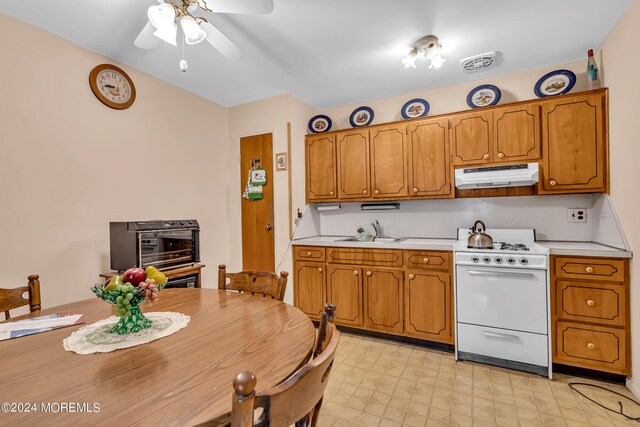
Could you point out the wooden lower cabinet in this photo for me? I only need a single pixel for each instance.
(428, 300)
(383, 300)
(309, 288)
(344, 290)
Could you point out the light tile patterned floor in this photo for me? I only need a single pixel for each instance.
(377, 382)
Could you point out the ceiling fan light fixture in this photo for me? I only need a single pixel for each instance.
(437, 61)
(429, 47)
(193, 34)
(409, 61)
(163, 18)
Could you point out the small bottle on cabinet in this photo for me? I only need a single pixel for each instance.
(593, 75)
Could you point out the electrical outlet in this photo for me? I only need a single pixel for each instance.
(577, 215)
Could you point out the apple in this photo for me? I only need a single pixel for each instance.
(134, 276)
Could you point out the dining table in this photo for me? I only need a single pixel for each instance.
(182, 379)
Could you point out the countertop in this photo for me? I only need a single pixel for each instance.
(555, 247)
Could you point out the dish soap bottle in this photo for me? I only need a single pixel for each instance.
(593, 75)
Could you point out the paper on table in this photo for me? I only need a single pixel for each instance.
(55, 322)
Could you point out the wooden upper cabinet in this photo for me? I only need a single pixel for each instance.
(471, 141)
(321, 168)
(429, 162)
(574, 140)
(353, 164)
(516, 133)
(388, 161)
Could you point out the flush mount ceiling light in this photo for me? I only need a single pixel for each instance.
(427, 46)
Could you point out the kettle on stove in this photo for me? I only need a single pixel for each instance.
(478, 239)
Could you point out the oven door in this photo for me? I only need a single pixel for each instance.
(507, 298)
(164, 249)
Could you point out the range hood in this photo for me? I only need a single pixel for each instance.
(497, 176)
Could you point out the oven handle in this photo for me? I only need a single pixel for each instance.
(499, 273)
(501, 336)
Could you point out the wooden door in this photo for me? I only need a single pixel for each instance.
(429, 161)
(517, 133)
(383, 299)
(309, 293)
(258, 250)
(471, 138)
(574, 141)
(353, 164)
(428, 305)
(320, 155)
(388, 161)
(344, 290)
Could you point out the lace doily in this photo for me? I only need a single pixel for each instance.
(96, 338)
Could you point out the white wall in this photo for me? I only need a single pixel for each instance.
(70, 164)
(620, 63)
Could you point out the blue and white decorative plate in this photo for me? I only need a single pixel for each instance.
(361, 116)
(483, 96)
(415, 108)
(556, 82)
(319, 124)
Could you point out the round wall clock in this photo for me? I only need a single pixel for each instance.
(112, 86)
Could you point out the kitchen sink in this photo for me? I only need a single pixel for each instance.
(374, 241)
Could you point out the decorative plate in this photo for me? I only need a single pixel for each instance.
(361, 116)
(556, 82)
(483, 96)
(319, 124)
(415, 108)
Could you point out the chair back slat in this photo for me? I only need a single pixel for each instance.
(14, 298)
(254, 282)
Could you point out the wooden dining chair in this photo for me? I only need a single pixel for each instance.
(255, 282)
(13, 298)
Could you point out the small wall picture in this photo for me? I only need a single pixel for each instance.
(281, 161)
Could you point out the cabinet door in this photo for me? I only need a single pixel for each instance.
(429, 160)
(428, 305)
(321, 168)
(517, 133)
(388, 161)
(575, 145)
(353, 164)
(309, 289)
(471, 138)
(383, 299)
(344, 290)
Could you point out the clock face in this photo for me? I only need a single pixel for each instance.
(112, 86)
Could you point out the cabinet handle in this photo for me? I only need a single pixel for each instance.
(331, 193)
(377, 191)
(591, 346)
(553, 182)
(591, 302)
(501, 155)
(411, 276)
(486, 156)
(425, 260)
(308, 253)
(589, 269)
(320, 269)
(355, 272)
(368, 273)
(415, 189)
(364, 191)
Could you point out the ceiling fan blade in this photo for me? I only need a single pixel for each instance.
(252, 7)
(221, 42)
(146, 39)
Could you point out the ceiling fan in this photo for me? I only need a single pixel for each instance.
(165, 17)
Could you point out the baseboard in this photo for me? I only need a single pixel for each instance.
(633, 388)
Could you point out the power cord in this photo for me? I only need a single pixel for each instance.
(620, 410)
(287, 250)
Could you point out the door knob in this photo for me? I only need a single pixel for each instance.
(319, 269)
(552, 182)
(355, 272)
(486, 156)
(377, 191)
(331, 193)
(501, 155)
(415, 189)
(411, 276)
(368, 273)
(268, 227)
(364, 191)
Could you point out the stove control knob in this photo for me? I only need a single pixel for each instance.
(486, 260)
(498, 260)
(475, 259)
(511, 260)
(524, 261)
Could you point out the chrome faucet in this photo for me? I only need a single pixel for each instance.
(378, 229)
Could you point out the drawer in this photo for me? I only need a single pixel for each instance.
(434, 260)
(590, 269)
(381, 257)
(308, 253)
(589, 302)
(591, 347)
(504, 344)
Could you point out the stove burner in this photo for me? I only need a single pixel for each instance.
(504, 246)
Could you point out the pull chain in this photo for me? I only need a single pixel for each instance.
(183, 61)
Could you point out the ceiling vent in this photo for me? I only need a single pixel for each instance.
(479, 62)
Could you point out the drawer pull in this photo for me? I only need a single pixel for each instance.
(486, 156)
(425, 260)
(355, 272)
(308, 253)
(589, 269)
(320, 269)
(368, 273)
(591, 302)
(591, 346)
(415, 189)
(505, 337)
(411, 276)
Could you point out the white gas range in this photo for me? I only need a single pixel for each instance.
(502, 302)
